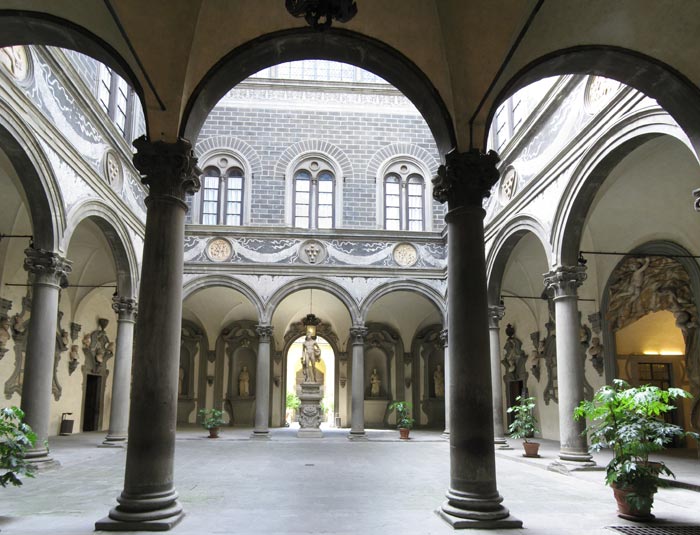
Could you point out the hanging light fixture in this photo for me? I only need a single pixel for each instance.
(311, 321)
(319, 14)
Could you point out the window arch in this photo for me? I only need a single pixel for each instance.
(221, 200)
(313, 194)
(403, 205)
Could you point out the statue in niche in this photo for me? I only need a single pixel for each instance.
(311, 354)
(375, 383)
(244, 383)
(439, 381)
(514, 358)
(595, 351)
(180, 380)
(73, 359)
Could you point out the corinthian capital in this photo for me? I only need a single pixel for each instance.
(565, 280)
(264, 332)
(357, 334)
(167, 168)
(125, 307)
(47, 267)
(496, 314)
(444, 337)
(466, 178)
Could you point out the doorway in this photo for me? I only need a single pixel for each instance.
(515, 389)
(91, 407)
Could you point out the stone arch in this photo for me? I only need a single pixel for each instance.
(592, 170)
(39, 186)
(207, 281)
(108, 221)
(333, 44)
(415, 286)
(22, 27)
(314, 283)
(502, 247)
(232, 144)
(672, 90)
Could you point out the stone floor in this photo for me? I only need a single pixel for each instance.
(330, 485)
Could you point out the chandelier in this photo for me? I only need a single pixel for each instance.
(319, 14)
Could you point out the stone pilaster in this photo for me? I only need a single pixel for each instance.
(473, 500)
(149, 500)
(262, 382)
(563, 282)
(49, 273)
(446, 351)
(357, 416)
(496, 314)
(125, 309)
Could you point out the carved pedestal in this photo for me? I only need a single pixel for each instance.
(310, 411)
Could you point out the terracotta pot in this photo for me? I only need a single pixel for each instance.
(531, 449)
(214, 432)
(627, 511)
(403, 433)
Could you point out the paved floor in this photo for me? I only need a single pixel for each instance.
(330, 485)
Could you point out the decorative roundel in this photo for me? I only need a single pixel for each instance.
(312, 252)
(405, 254)
(16, 61)
(219, 250)
(599, 91)
(509, 185)
(113, 169)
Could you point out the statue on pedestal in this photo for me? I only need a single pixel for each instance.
(375, 383)
(311, 354)
(244, 383)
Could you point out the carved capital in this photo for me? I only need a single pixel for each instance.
(565, 280)
(125, 307)
(496, 314)
(168, 169)
(357, 335)
(466, 178)
(264, 333)
(47, 267)
(443, 338)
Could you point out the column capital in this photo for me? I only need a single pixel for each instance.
(496, 313)
(466, 178)
(564, 280)
(47, 267)
(125, 307)
(264, 332)
(168, 169)
(444, 338)
(357, 334)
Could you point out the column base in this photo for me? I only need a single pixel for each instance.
(498, 518)
(113, 441)
(501, 443)
(566, 467)
(357, 435)
(261, 435)
(445, 435)
(40, 459)
(146, 512)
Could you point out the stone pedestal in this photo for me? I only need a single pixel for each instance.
(310, 411)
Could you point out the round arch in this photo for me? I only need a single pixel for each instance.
(333, 44)
(503, 246)
(208, 281)
(38, 182)
(313, 283)
(672, 90)
(415, 286)
(108, 221)
(19, 27)
(600, 159)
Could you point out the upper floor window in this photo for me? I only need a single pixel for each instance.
(313, 195)
(115, 96)
(222, 196)
(509, 117)
(404, 198)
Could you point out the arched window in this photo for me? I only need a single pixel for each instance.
(221, 198)
(313, 202)
(404, 194)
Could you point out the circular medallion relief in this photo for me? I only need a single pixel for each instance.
(405, 254)
(15, 60)
(312, 252)
(219, 250)
(509, 184)
(599, 91)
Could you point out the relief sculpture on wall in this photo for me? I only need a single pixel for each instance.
(19, 326)
(514, 358)
(97, 349)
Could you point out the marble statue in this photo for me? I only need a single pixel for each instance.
(311, 354)
(439, 381)
(180, 380)
(375, 383)
(244, 383)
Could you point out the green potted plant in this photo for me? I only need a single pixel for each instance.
(524, 424)
(404, 422)
(629, 421)
(212, 419)
(292, 403)
(16, 438)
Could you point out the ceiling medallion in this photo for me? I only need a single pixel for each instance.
(315, 10)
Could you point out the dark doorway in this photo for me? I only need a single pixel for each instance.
(515, 389)
(91, 408)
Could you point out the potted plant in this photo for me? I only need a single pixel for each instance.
(212, 419)
(293, 403)
(404, 422)
(524, 424)
(16, 438)
(629, 421)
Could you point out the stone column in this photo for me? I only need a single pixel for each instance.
(121, 384)
(563, 282)
(49, 271)
(473, 500)
(357, 416)
(262, 383)
(149, 500)
(496, 314)
(446, 369)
